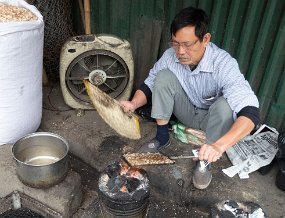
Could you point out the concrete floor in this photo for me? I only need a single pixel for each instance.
(94, 145)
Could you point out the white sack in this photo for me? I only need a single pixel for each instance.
(21, 57)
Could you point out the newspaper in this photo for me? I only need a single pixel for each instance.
(252, 152)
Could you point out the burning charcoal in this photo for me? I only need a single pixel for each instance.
(142, 172)
(124, 168)
(132, 184)
(136, 172)
(113, 170)
(118, 184)
(123, 179)
(111, 184)
(124, 190)
(123, 196)
(115, 184)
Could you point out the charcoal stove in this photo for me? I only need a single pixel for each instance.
(123, 191)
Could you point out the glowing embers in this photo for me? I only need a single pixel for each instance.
(124, 190)
(120, 181)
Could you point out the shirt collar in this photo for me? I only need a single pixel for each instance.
(206, 64)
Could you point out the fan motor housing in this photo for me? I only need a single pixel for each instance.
(105, 60)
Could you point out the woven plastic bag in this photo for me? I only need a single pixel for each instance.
(21, 57)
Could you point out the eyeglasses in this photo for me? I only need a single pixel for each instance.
(186, 45)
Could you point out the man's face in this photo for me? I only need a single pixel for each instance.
(188, 48)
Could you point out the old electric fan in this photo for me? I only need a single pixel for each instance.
(105, 60)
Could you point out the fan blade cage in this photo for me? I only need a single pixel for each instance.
(109, 69)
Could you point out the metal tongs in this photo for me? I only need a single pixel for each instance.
(195, 155)
(203, 163)
(182, 157)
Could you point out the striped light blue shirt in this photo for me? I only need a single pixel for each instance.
(217, 74)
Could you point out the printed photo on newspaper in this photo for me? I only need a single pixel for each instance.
(252, 152)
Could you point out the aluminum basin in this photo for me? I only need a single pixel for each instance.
(42, 159)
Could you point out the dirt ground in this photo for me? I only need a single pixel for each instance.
(94, 145)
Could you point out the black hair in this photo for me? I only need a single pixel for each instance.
(191, 17)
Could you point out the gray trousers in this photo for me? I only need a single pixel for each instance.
(168, 97)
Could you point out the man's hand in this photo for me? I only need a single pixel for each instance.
(138, 100)
(211, 153)
(128, 106)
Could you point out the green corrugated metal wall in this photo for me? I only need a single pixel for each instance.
(253, 31)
